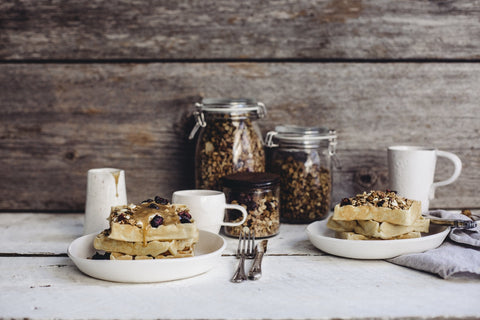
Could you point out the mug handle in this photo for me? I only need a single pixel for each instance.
(235, 207)
(458, 168)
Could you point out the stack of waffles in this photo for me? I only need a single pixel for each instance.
(378, 215)
(153, 229)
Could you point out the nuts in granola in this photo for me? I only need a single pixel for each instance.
(149, 212)
(227, 145)
(306, 186)
(303, 158)
(387, 199)
(259, 194)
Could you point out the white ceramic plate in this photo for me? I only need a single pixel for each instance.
(324, 239)
(207, 253)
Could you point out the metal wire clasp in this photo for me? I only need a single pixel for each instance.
(269, 139)
(332, 149)
(199, 122)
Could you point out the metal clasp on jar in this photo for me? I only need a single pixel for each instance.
(199, 122)
(332, 149)
(269, 139)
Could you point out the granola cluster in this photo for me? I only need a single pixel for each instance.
(123, 214)
(306, 188)
(263, 213)
(387, 199)
(153, 212)
(227, 146)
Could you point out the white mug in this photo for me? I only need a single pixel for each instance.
(105, 189)
(412, 169)
(207, 207)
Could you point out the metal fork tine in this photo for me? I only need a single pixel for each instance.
(244, 244)
(240, 275)
(239, 245)
(251, 245)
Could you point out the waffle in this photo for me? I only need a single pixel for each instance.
(375, 229)
(356, 236)
(378, 215)
(379, 206)
(153, 229)
(152, 248)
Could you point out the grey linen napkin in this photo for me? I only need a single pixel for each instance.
(459, 255)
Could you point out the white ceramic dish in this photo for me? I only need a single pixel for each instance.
(324, 239)
(207, 253)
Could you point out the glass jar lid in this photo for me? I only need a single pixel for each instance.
(236, 108)
(246, 180)
(298, 136)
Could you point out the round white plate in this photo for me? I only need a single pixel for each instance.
(324, 239)
(207, 253)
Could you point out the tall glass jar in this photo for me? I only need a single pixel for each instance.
(302, 156)
(229, 140)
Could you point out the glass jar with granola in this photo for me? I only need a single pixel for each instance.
(259, 194)
(229, 140)
(302, 156)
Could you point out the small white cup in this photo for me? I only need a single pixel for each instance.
(412, 169)
(207, 207)
(105, 189)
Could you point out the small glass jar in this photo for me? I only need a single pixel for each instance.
(259, 194)
(302, 156)
(229, 141)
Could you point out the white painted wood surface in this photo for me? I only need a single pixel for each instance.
(38, 281)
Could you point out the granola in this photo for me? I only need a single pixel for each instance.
(227, 145)
(263, 213)
(305, 187)
(387, 199)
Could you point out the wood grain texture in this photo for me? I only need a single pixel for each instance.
(50, 287)
(227, 29)
(45, 239)
(59, 120)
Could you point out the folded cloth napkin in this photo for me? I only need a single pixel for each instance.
(459, 255)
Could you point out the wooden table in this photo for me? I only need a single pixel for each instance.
(39, 281)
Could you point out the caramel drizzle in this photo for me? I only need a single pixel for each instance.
(116, 176)
(144, 214)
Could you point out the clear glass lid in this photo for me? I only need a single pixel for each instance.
(236, 108)
(293, 135)
(232, 105)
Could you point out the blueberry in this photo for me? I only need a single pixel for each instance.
(184, 217)
(121, 218)
(185, 214)
(161, 200)
(99, 256)
(156, 221)
(153, 206)
(345, 202)
(146, 201)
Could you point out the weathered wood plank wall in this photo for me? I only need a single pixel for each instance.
(90, 84)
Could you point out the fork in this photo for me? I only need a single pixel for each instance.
(245, 250)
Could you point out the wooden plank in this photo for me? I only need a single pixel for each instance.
(303, 287)
(17, 238)
(228, 29)
(40, 287)
(59, 120)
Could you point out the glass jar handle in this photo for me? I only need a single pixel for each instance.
(269, 139)
(262, 111)
(199, 122)
(332, 149)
